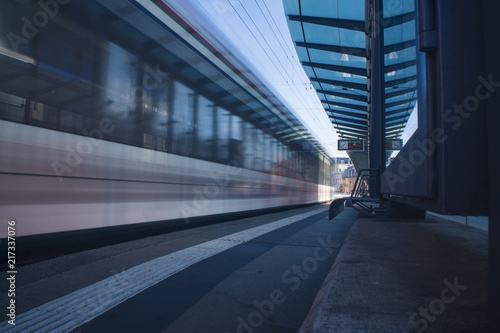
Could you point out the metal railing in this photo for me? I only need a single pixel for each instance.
(365, 196)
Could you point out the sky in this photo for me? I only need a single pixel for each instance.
(258, 31)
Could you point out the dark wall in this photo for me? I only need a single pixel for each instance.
(443, 167)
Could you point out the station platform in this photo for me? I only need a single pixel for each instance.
(405, 276)
(284, 272)
(257, 274)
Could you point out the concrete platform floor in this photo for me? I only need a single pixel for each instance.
(257, 274)
(405, 276)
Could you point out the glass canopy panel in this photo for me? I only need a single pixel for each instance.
(309, 71)
(339, 76)
(351, 9)
(399, 115)
(345, 9)
(353, 112)
(316, 85)
(401, 98)
(296, 31)
(399, 79)
(353, 38)
(346, 114)
(291, 8)
(398, 7)
(349, 113)
(398, 74)
(302, 53)
(360, 124)
(337, 59)
(328, 88)
(330, 98)
(400, 109)
(334, 36)
(400, 112)
(397, 121)
(349, 118)
(399, 33)
(325, 8)
(395, 57)
(394, 86)
(320, 34)
(356, 94)
(327, 35)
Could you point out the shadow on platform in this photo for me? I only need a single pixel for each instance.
(405, 276)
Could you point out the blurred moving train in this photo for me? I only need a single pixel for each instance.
(118, 113)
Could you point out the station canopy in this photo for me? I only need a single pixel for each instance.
(332, 39)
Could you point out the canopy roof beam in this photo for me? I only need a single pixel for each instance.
(400, 66)
(346, 105)
(399, 92)
(350, 114)
(330, 22)
(335, 68)
(352, 85)
(359, 98)
(355, 51)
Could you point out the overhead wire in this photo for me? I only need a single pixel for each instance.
(252, 33)
(305, 80)
(314, 103)
(282, 41)
(265, 39)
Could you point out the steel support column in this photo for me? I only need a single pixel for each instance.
(377, 89)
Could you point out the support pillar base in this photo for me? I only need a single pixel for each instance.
(402, 211)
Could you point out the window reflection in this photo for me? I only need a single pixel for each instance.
(144, 101)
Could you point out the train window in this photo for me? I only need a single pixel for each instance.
(155, 99)
(183, 117)
(123, 94)
(295, 164)
(274, 156)
(75, 48)
(70, 122)
(235, 140)
(149, 141)
(267, 153)
(12, 107)
(247, 149)
(260, 149)
(161, 144)
(205, 127)
(291, 164)
(236, 128)
(285, 160)
(120, 78)
(223, 133)
(42, 115)
(279, 158)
